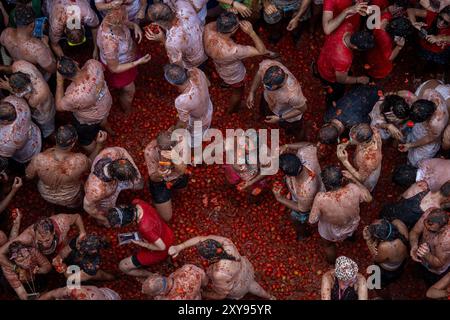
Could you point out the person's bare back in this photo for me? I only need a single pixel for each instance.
(367, 160)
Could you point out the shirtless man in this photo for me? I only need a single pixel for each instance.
(184, 284)
(21, 44)
(48, 235)
(62, 18)
(81, 293)
(231, 274)
(337, 210)
(302, 176)
(113, 170)
(430, 115)
(183, 33)
(367, 157)
(430, 244)
(228, 55)
(60, 170)
(282, 95)
(440, 289)
(20, 138)
(27, 82)
(135, 8)
(194, 103)
(87, 96)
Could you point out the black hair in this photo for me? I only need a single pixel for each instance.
(175, 74)
(328, 134)
(363, 132)
(274, 76)
(397, 105)
(422, 110)
(404, 175)
(386, 231)
(65, 136)
(438, 216)
(67, 67)
(400, 27)
(212, 250)
(164, 140)
(445, 189)
(7, 111)
(75, 36)
(400, 3)
(44, 224)
(122, 170)
(160, 12)
(92, 242)
(363, 40)
(121, 216)
(19, 80)
(3, 164)
(226, 22)
(332, 177)
(24, 15)
(290, 164)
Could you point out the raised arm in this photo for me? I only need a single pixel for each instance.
(7, 200)
(330, 23)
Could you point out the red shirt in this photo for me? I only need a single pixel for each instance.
(337, 6)
(151, 226)
(335, 56)
(383, 4)
(430, 19)
(378, 57)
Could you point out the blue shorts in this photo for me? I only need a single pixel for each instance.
(301, 217)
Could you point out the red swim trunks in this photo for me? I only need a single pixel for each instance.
(120, 80)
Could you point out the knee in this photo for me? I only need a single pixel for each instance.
(129, 89)
(125, 265)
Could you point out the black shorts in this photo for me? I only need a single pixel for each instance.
(87, 133)
(387, 277)
(159, 191)
(135, 261)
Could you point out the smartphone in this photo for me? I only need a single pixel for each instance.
(128, 237)
(39, 27)
(423, 32)
(33, 296)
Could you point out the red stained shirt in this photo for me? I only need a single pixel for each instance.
(152, 227)
(335, 56)
(430, 19)
(383, 4)
(337, 6)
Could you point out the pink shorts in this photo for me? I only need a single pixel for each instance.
(234, 179)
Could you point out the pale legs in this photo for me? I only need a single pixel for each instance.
(127, 266)
(127, 96)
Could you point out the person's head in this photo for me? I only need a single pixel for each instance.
(20, 254)
(91, 245)
(400, 27)
(332, 177)
(422, 110)
(395, 108)
(362, 40)
(227, 23)
(154, 285)
(328, 134)
(20, 83)
(116, 17)
(164, 141)
(436, 220)
(121, 216)
(404, 175)
(290, 164)
(443, 19)
(66, 137)
(346, 270)
(274, 78)
(122, 170)
(175, 74)
(67, 67)
(45, 234)
(383, 230)
(360, 133)
(75, 36)
(213, 251)
(161, 14)
(24, 16)
(445, 189)
(400, 3)
(7, 113)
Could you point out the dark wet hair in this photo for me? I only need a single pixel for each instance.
(332, 177)
(397, 105)
(67, 67)
(445, 189)
(15, 247)
(386, 231)
(328, 134)
(65, 136)
(44, 224)
(363, 40)
(445, 10)
(404, 175)
(212, 250)
(19, 80)
(3, 164)
(422, 110)
(274, 76)
(121, 216)
(75, 36)
(122, 170)
(175, 74)
(226, 22)
(7, 111)
(400, 3)
(164, 140)
(290, 164)
(24, 15)
(363, 132)
(400, 27)
(438, 216)
(160, 12)
(92, 242)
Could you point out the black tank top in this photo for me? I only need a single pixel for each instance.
(348, 294)
(406, 210)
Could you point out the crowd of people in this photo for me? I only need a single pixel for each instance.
(41, 80)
